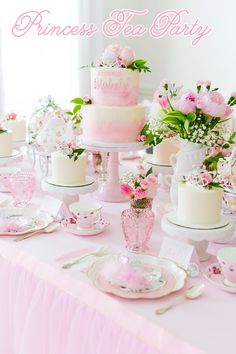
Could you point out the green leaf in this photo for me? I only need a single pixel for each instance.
(186, 125)
(70, 113)
(78, 100)
(171, 120)
(191, 117)
(76, 109)
(149, 172)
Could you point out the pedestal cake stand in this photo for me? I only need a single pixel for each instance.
(7, 160)
(68, 194)
(199, 238)
(110, 189)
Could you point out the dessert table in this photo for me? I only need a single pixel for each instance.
(49, 310)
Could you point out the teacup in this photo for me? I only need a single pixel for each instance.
(86, 213)
(227, 260)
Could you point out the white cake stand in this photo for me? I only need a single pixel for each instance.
(16, 156)
(198, 238)
(110, 189)
(67, 194)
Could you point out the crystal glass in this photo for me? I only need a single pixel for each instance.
(230, 202)
(22, 186)
(137, 225)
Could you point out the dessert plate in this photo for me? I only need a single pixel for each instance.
(172, 277)
(20, 221)
(89, 180)
(99, 227)
(213, 274)
(15, 153)
(172, 217)
(149, 159)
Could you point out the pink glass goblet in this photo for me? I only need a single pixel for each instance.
(22, 186)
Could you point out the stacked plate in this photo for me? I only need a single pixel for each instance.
(20, 221)
(163, 277)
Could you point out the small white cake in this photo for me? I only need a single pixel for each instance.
(6, 143)
(18, 128)
(163, 151)
(198, 205)
(66, 171)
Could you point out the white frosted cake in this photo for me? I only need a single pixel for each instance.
(198, 205)
(6, 143)
(114, 115)
(66, 171)
(16, 125)
(163, 151)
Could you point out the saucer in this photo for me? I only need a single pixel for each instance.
(151, 161)
(172, 217)
(98, 228)
(213, 274)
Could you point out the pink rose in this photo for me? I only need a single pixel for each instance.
(11, 116)
(163, 101)
(226, 152)
(139, 193)
(142, 138)
(200, 83)
(206, 177)
(188, 102)
(114, 48)
(86, 98)
(144, 184)
(127, 190)
(127, 55)
(151, 180)
(213, 104)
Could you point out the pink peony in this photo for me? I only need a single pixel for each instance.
(109, 58)
(11, 116)
(151, 180)
(213, 104)
(127, 55)
(151, 192)
(163, 101)
(139, 193)
(127, 190)
(188, 102)
(114, 48)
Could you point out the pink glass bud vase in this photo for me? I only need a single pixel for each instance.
(137, 224)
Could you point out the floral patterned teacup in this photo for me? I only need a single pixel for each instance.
(227, 259)
(86, 214)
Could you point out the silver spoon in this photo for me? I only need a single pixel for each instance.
(98, 253)
(191, 293)
(50, 228)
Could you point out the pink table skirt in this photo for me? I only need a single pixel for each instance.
(43, 312)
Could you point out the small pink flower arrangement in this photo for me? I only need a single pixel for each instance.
(140, 188)
(70, 149)
(193, 115)
(11, 116)
(116, 56)
(203, 178)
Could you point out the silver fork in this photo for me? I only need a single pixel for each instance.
(99, 253)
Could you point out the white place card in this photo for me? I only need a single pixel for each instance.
(51, 205)
(179, 252)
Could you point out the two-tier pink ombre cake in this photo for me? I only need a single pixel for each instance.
(114, 116)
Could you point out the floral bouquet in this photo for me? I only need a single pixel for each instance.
(196, 116)
(118, 57)
(140, 188)
(71, 150)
